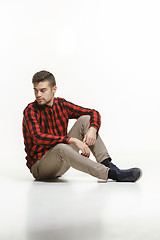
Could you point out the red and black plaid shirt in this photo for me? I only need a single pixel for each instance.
(45, 126)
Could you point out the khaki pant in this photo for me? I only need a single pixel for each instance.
(63, 156)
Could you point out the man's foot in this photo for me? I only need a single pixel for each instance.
(127, 175)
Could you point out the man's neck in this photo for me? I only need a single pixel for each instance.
(50, 104)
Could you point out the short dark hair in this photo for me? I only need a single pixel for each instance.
(44, 76)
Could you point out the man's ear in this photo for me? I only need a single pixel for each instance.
(54, 89)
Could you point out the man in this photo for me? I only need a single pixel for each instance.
(51, 151)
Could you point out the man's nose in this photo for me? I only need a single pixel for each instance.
(38, 94)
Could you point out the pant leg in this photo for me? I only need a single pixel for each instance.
(50, 166)
(79, 129)
(52, 163)
(59, 158)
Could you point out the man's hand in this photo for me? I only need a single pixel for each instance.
(81, 146)
(90, 137)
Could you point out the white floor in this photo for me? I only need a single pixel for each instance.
(78, 207)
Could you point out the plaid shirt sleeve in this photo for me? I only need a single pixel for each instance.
(75, 111)
(31, 121)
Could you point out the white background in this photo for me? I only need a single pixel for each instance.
(104, 55)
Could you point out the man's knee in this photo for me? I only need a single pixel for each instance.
(85, 119)
(62, 148)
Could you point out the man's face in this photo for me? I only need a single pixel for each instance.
(44, 93)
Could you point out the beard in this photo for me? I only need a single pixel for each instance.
(43, 101)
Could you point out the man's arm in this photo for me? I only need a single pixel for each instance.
(75, 111)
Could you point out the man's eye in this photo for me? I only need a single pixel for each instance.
(43, 90)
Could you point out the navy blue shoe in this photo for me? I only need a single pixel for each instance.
(127, 175)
